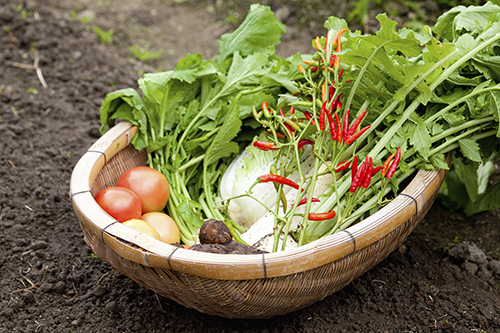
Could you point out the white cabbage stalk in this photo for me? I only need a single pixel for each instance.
(243, 172)
(247, 212)
(261, 232)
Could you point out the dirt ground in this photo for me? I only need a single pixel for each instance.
(55, 72)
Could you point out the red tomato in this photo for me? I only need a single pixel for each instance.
(119, 202)
(150, 185)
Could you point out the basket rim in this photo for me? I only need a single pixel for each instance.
(145, 250)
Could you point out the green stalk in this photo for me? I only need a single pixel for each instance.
(408, 112)
(362, 73)
(395, 127)
(188, 237)
(191, 162)
(457, 102)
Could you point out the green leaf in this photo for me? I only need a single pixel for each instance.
(455, 118)
(468, 175)
(243, 72)
(335, 24)
(489, 199)
(466, 20)
(247, 102)
(222, 146)
(187, 68)
(419, 136)
(439, 161)
(470, 149)
(259, 30)
(189, 211)
(277, 79)
(453, 193)
(123, 101)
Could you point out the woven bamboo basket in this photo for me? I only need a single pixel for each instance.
(234, 285)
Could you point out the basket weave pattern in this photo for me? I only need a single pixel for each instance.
(238, 286)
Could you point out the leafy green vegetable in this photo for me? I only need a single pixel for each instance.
(426, 96)
(191, 118)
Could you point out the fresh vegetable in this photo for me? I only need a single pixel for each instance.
(415, 96)
(142, 226)
(277, 179)
(119, 202)
(322, 216)
(215, 237)
(149, 185)
(164, 225)
(191, 118)
(214, 232)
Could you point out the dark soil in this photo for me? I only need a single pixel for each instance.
(50, 281)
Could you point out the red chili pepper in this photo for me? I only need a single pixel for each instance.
(339, 104)
(333, 129)
(342, 166)
(265, 109)
(354, 168)
(301, 69)
(356, 123)
(376, 170)
(345, 128)
(368, 176)
(322, 116)
(304, 142)
(289, 128)
(309, 116)
(338, 37)
(313, 69)
(356, 135)
(282, 113)
(263, 145)
(358, 177)
(326, 42)
(336, 63)
(322, 216)
(333, 60)
(386, 164)
(335, 102)
(394, 164)
(303, 201)
(331, 92)
(309, 62)
(339, 128)
(317, 44)
(292, 110)
(341, 72)
(277, 179)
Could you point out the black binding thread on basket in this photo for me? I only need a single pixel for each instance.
(106, 227)
(264, 265)
(80, 192)
(170, 257)
(99, 152)
(414, 200)
(353, 239)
